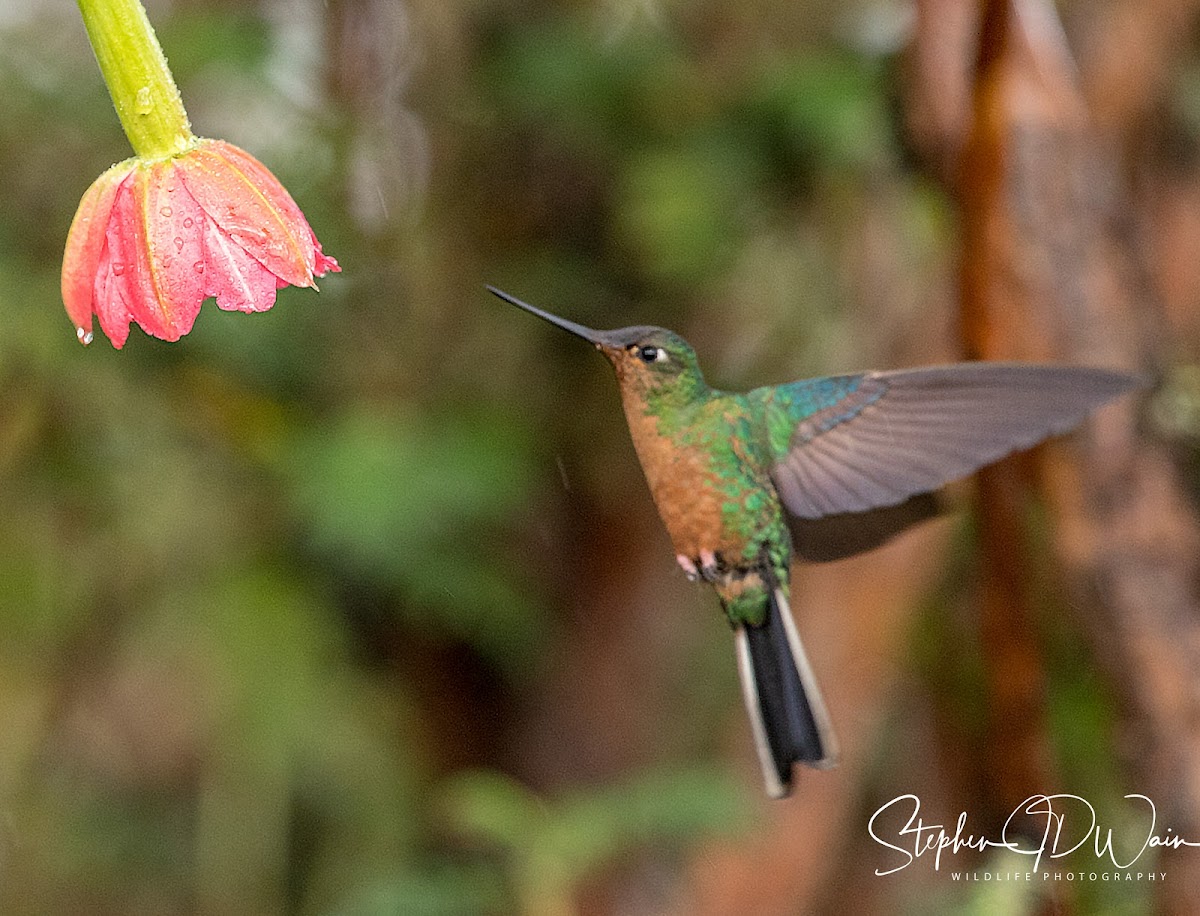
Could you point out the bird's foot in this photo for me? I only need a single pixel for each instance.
(710, 566)
(688, 567)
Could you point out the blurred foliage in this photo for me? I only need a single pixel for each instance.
(549, 851)
(291, 608)
(389, 498)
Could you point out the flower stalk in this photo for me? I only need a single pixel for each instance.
(135, 70)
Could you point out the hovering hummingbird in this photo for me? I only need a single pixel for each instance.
(726, 470)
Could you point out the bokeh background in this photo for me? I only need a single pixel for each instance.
(360, 606)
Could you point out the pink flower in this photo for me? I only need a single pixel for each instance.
(152, 239)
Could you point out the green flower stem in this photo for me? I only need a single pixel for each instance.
(141, 86)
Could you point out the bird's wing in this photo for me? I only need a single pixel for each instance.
(856, 442)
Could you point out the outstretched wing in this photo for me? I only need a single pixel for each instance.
(858, 442)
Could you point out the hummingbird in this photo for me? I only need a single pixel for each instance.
(733, 474)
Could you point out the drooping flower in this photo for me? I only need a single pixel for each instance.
(153, 239)
(185, 219)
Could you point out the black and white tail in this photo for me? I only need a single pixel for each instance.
(786, 711)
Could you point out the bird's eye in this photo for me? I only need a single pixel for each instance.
(648, 354)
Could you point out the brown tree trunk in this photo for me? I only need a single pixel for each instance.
(1048, 274)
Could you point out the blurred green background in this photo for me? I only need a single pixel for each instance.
(360, 605)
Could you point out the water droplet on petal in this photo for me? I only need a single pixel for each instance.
(85, 336)
(166, 211)
(198, 267)
(187, 222)
(118, 268)
(178, 243)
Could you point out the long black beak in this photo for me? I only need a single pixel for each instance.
(598, 338)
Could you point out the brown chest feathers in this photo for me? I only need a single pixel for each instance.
(681, 483)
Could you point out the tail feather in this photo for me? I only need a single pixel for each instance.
(787, 714)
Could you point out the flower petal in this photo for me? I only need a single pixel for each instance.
(317, 262)
(85, 245)
(323, 263)
(135, 275)
(238, 281)
(109, 302)
(174, 245)
(251, 207)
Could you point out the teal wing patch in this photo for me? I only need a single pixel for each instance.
(797, 412)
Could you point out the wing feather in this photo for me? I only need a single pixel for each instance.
(888, 436)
